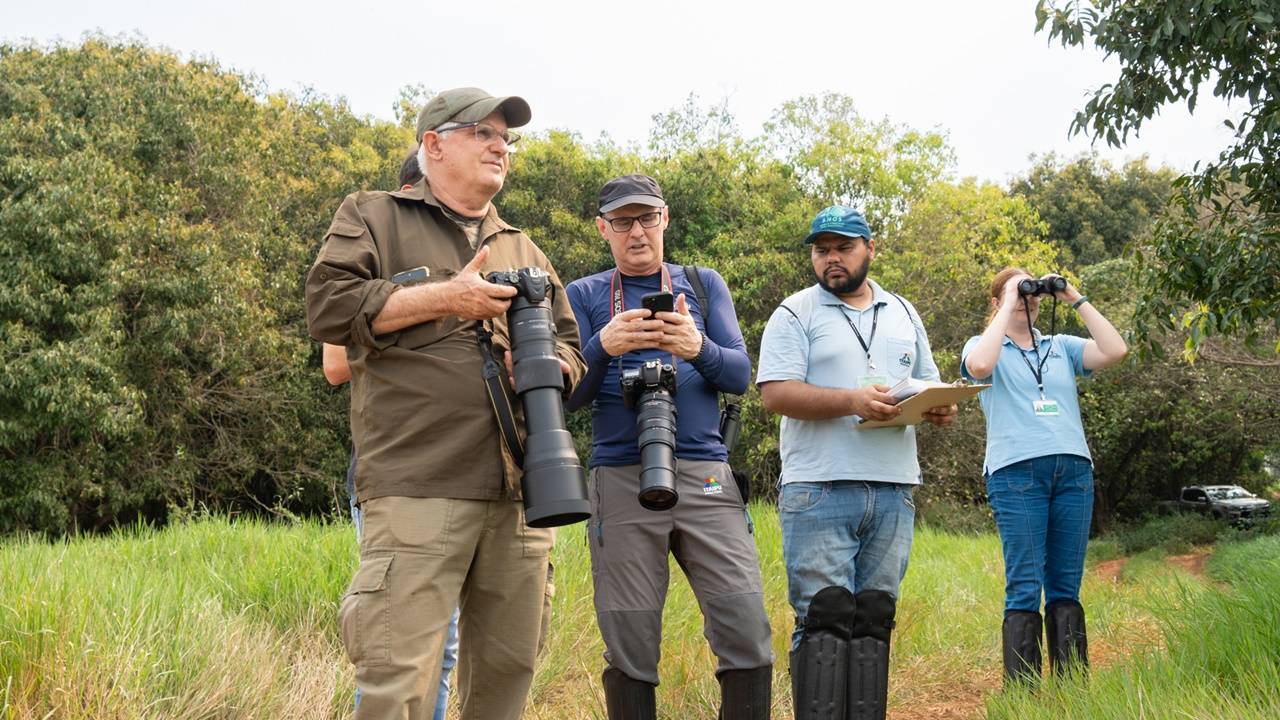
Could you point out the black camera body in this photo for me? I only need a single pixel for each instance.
(650, 389)
(554, 484)
(1042, 286)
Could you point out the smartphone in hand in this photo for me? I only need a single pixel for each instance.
(656, 302)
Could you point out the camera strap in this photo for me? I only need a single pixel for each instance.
(617, 305)
(498, 398)
(615, 290)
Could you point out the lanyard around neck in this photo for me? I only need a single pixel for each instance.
(1037, 370)
(866, 344)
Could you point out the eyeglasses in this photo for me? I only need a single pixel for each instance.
(486, 134)
(624, 224)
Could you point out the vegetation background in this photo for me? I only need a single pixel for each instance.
(157, 217)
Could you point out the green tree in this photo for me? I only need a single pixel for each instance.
(156, 217)
(1211, 269)
(1095, 211)
(841, 157)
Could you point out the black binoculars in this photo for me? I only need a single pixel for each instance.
(1043, 286)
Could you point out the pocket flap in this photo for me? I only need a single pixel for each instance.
(372, 575)
(345, 229)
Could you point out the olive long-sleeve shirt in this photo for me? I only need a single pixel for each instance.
(421, 419)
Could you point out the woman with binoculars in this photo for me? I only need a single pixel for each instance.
(1038, 469)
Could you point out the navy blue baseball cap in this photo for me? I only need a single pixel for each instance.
(840, 220)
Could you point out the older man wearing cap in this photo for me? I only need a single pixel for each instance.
(398, 281)
(828, 358)
(706, 530)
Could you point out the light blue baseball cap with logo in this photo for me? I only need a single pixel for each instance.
(840, 220)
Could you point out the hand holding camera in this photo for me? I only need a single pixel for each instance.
(471, 297)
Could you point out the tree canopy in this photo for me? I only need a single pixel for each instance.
(158, 216)
(1211, 268)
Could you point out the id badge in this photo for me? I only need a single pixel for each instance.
(1045, 408)
(866, 380)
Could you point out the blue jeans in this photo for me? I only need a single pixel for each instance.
(848, 533)
(1043, 507)
(451, 642)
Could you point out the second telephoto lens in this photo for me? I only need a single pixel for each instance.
(650, 389)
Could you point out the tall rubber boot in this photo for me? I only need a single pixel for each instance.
(746, 694)
(628, 699)
(869, 655)
(1021, 640)
(1068, 642)
(820, 663)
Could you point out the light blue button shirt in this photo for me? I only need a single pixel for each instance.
(809, 338)
(1014, 431)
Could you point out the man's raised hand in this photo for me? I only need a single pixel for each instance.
(471, 297)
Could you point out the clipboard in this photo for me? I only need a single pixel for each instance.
(913, 408)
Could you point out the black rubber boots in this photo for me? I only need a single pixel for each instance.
(746, 694)
(1068, 643)
(1020, 638)
(628, 699)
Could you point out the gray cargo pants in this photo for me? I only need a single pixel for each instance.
(707, 533)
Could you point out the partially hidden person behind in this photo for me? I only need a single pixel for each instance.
(1038, 469)
(829, 355)
(399, 282)
(678, 355)
(338, 372)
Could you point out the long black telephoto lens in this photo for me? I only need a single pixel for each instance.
(650, 389)
(554, 484)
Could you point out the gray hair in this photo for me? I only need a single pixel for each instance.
(422, 159)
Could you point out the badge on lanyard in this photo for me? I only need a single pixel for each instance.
(866, 380)
(1045, 408)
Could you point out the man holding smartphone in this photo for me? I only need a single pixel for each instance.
(643, 310)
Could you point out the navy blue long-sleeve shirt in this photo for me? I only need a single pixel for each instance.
(723, 367)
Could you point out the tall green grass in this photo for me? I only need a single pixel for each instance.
(1222, 658)
(236, 619)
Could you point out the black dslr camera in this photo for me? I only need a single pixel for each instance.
(650, 389)
(554, 485)
(1043, 286)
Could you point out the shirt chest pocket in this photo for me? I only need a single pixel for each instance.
(900, 357)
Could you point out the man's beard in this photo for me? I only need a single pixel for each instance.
(852, 281)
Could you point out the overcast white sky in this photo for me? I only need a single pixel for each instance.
(974, 70)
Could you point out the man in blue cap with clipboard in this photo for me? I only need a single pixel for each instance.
(828, 358)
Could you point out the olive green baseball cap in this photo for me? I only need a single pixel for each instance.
(465, 105)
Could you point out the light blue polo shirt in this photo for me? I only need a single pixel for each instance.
(1014, 431)
(809, 338)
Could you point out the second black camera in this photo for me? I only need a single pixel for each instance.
(650, 389)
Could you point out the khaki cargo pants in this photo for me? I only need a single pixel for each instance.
(421, 557)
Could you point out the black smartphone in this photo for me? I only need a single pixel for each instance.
(409, 277)
(656, 302)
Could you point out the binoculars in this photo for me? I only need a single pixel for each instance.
(1043, 286)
